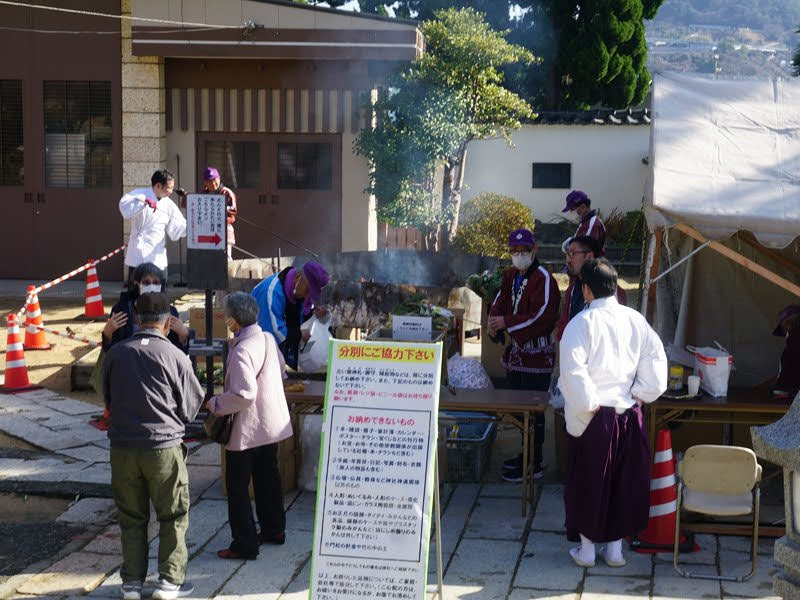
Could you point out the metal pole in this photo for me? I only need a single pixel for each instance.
(181, 281)
(209, 343)
(438, 515)
(279, 259)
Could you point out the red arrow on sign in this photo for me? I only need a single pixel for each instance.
(209, 239)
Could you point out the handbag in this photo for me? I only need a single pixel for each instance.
(219, 427)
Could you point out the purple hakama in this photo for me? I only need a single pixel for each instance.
(607, 490)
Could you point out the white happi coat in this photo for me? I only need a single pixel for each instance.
(149, 227)
(609, 356)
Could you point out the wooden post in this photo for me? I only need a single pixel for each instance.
(658, 236)
(738, 258)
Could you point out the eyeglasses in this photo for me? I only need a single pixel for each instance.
(572, 253)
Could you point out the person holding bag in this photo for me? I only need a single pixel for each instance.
(253, 393)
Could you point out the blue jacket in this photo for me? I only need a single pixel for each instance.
(272, 307)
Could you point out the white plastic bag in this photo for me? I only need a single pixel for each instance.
(713, 366)
(311, 434)
(466, 373)
(314, 357)
(556, 397)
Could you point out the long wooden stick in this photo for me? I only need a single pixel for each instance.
(769, 252)
(738, 258)
(654, 267)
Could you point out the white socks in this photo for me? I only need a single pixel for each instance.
(586, 552)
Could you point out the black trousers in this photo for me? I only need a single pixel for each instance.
(532, 381)
(260, 464)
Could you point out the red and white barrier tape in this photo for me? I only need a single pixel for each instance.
(69, 334)
(72, 273)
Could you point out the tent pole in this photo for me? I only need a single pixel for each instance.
(650, 307)
(738, 258)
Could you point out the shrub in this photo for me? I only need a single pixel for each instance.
(625, 228)
(485, 222)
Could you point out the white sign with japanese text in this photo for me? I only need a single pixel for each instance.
(376, 475)
(205, 222)
(409, 328)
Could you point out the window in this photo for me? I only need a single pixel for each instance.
(552, 175)
(238, 163)
(11, 151)
(305, 166)
(77, 134)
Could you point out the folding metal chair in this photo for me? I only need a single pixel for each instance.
(721, 481)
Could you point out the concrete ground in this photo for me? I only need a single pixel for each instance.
(489, 550)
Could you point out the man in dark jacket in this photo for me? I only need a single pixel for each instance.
(152, 392)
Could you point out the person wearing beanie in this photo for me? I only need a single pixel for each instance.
(526, 308)
(213, 185)
(286, 300)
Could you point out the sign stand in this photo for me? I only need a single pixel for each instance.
(437, 513)
(207, 265)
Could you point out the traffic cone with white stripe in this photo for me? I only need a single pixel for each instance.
(660, 533)
(34, 336)
(16, 376)
(94, 299)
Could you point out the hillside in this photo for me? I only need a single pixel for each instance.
(733, 38)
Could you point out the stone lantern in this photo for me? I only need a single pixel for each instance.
(779, 443)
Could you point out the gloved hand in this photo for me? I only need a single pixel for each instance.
(151, 203)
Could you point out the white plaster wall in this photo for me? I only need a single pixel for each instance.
(606, 164)
(359, 221)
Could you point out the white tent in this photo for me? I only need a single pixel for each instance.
(724, 183)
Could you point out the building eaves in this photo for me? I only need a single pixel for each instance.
(328, 9)
(629, 116)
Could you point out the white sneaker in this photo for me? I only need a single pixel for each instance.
(132, 590)
(167, 591)
(612, 561)
(575, 553)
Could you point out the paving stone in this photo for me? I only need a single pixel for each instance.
(738, 563)
(69, 406)
(90, 453)
(206, 518)
(37, 394)
(18, 426)
(743, 544)
(707, 555)
(546, 565)
(213, 492)
(200, 479)
(13, 403)
(77, 573)
(222, 539)
(298, 588)
(481, 569)
(526, 594)
(87, 433)
(638, 565)
(104, 443)
(455, 515)
(301, 513)
(502, 490)
(496, 518)
(273, 571)
(549, 514)
(44, 469)
(53, 419)
(610, 588)
(88, 510)
(107, 541)
(208, 574)
(668, 585)
(96, 473)
(207, 454)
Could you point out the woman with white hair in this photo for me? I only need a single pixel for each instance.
(253, 392)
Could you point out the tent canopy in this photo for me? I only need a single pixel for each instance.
(725, 157)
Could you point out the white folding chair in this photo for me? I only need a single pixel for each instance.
(721, 481)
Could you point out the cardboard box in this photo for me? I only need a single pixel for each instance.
(287, 465)
(197, 321)
(347, 333)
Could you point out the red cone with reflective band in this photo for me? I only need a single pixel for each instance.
(660, 533)
(16, 376)
(94, 299)
(34, 337)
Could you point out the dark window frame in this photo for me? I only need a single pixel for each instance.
(551, 175)
(79, 108)
(314, 174)
(12, 133)
(249, 180)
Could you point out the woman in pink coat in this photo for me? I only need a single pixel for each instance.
(254, 394)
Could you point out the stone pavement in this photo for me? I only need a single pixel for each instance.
(489, 550)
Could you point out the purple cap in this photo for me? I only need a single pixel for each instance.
(210, 173)
(521, 237)
(574, 199)
(317, 278)
(787, 312)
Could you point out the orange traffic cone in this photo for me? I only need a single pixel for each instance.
(660, 533)
(34, 337)
(16, 372)
(94, 299)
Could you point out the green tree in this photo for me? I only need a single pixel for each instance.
(486, 222)
(430, 112)
(593, 51)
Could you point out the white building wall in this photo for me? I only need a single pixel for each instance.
(606, 164)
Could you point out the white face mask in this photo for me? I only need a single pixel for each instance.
(153, 288)
(522, 260)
